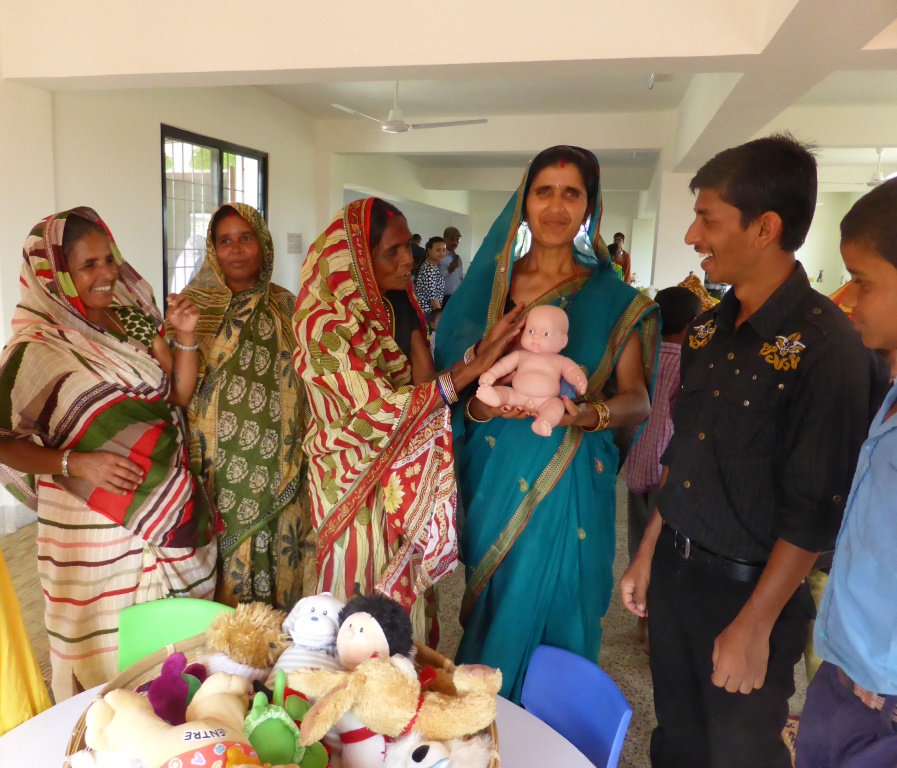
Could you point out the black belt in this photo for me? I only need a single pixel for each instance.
(695, 553)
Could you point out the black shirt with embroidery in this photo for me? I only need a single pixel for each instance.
(768, 424)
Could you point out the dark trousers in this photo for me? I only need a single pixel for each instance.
(838, 731)
(698, 724)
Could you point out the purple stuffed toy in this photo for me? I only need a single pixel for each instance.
(172, 690)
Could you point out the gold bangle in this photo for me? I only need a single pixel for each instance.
(603, 416)
(470, 416)
(65, 462)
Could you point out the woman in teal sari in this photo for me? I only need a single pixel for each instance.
(538, 540)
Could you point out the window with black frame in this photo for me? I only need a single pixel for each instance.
(199, 174)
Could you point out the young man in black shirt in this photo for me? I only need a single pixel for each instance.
(775, 401)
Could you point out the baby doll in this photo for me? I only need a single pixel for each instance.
(539, 368)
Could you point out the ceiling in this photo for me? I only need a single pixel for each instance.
(722, 74)
(489, 97)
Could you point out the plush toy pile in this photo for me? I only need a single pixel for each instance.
(345, 693)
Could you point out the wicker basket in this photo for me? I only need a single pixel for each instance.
(194, 649)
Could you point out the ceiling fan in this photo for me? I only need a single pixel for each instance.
(878, 176)
(396, 124)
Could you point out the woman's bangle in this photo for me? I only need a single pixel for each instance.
(470, 416)
(177, 345)
(603, 417)
(65, 462)
(470, 354)
(447, 388)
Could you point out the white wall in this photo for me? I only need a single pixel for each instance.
(108, 156)
(26, 171)
(821, 249)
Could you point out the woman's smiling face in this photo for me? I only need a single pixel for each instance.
(94, 272)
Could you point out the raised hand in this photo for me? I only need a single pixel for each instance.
(183, 314)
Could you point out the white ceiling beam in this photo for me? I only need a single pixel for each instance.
(792, 63)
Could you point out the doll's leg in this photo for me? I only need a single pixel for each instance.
(550, 414)
(497, 396)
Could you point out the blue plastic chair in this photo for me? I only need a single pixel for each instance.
(146, 627)
(579, 700)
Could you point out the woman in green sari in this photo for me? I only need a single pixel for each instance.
(246, 418)
(538, 540)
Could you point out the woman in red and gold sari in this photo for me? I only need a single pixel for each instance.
(379, 439)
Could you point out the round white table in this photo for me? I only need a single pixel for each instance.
(524, 741)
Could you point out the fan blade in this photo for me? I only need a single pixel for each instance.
(449, 123)
(341, 108)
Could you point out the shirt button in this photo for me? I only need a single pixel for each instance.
(754, 377)
(716, 393)
(710, 366)
(737, 371)
(746, 403)
(731, 356)
(701, 436)
(781, 386)
(836, 499)
(687, 484)
(817, 311)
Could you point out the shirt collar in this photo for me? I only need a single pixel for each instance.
(767, 320)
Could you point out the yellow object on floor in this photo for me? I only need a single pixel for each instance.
(23, 693)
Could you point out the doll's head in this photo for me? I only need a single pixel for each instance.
(372, 625)
(546, 330)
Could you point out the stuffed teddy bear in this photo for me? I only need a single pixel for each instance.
(387, 701)
(538, 369)
(123, 722)
(313, 624)
(380, 688)
(412, 751)
(247, 641)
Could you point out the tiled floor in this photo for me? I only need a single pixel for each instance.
(621, 656)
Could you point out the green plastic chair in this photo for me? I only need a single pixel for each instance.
(145, 628)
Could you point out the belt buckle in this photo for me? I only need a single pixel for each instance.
(682, 545)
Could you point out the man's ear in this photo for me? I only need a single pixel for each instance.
(769, 228)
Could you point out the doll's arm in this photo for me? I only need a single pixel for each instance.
(507, 364)
(573, 374)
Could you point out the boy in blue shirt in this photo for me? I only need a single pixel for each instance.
(850, 718)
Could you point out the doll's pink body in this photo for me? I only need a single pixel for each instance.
(538, 369)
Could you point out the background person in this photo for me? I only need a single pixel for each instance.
(451, 265)
(246, 418)
(623, 257)
(538, 538)
(90, 439)
(678, 309)
(429, 285)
